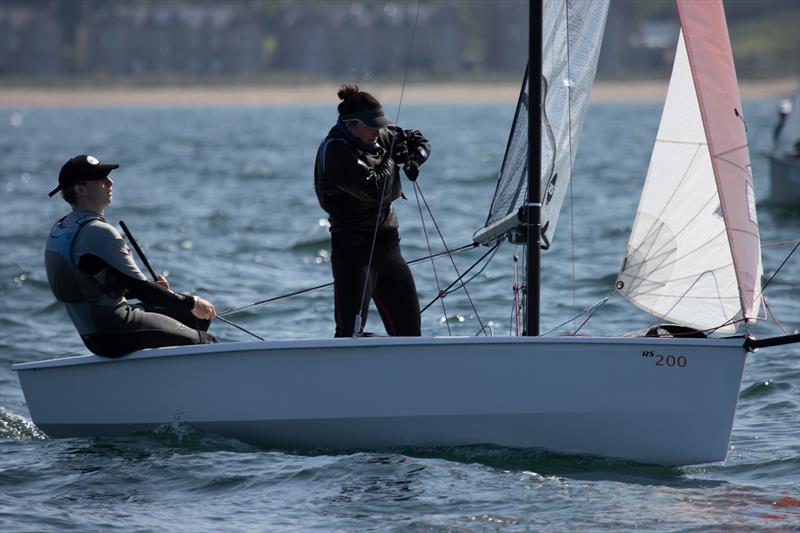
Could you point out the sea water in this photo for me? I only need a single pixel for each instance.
(222, 199)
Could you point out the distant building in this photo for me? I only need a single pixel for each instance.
(346, 39)
(507, 38)
(31, 42)
(368, 38)
(166, 38)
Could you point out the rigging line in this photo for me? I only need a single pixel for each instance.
(152, 273)
(455, 267)
(731, 322)
(596, 309)
(240, 328)
(440, 293)
(585, 310)
(777, 244)
(764, 287)
(571, 177)
(357, 321)
(446, 291)
(330, 283)
(770, 313)
(735, 320)
(475, 275)
(514, 318)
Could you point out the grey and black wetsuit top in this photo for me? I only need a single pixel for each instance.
(90, 269)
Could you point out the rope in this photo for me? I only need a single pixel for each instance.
(357, 321)
(329, 284)
(514, 322)
(602, 303)
(764, 287)
(440, 294)
(455, 267)
(778, 244)
(449, 287)
(770, 313)
(599, 303)
(571, 190)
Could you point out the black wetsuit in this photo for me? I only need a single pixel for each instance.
(91, 271)
(356, 186)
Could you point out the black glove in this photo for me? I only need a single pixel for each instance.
(401, 152)
(412, 170)
(414, 138)
(416, 148)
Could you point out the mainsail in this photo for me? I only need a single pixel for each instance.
(572, 33)
(694, 253)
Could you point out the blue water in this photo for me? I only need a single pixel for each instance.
(222, 199)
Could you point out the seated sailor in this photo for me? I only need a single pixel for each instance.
(90, 269)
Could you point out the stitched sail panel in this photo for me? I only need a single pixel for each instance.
(679, 263)
(572, 34)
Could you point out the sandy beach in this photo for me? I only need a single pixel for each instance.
(268, 95)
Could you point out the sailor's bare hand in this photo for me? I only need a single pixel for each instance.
(161, 280)
(203, 309)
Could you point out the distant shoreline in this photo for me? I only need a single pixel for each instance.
(310, 94)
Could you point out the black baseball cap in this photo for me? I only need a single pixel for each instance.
(373, 118)
(81, 168)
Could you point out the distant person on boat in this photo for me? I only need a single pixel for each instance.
(784, 109)
(356, 178)
(91, 270)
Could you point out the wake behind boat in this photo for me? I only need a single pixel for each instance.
(665, 398)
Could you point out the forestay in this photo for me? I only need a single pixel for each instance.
(694, 252)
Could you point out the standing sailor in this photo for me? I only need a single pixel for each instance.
(91, 270)
(356, 178)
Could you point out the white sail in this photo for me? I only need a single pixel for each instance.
(679, 264)
(572, 34)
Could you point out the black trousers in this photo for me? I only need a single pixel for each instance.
(388, 282)
(145, 326)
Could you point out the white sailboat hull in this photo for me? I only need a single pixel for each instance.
(662, 401)
(784, 184)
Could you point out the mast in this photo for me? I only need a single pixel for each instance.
(533, 203)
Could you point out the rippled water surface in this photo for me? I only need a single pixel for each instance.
(223, 200)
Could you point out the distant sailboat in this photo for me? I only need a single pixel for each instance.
(784, 161)
(654, 399)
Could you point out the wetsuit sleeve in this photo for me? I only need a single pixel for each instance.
(104, 241)
(101, 246)
(345, 172)
(154, 294)
(141, 289)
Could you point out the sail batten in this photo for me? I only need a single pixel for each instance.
(694, 252)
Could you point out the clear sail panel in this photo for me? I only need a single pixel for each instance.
(572, 34)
